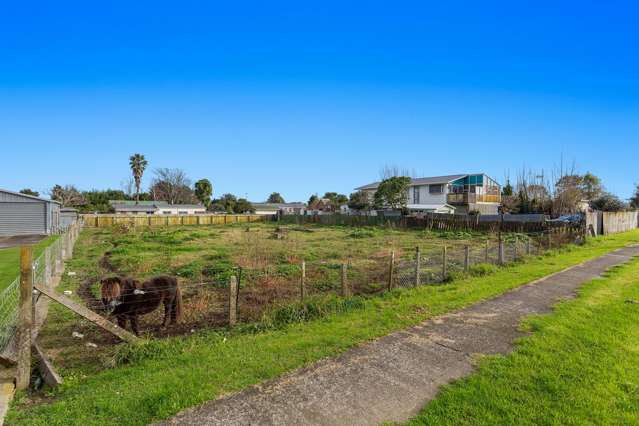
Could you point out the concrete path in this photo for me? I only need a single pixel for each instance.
(392, 378)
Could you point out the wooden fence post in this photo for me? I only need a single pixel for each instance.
(486, 250)
(26, 318)
(232, 301)
(528, 246)
(444, 263)
(418, 266)
(345, 290)
(466, 258)
(303, 282)
(500, 255)
(391, 270)
(515, 250)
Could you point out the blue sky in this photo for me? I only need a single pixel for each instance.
(305, 97)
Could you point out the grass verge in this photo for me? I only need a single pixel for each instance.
(580, 367)
(186, 371)
(10, 260)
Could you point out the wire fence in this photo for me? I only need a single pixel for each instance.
(46, 268)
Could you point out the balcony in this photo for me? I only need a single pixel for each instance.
(467, 198)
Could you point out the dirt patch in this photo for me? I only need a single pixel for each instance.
(19, 240)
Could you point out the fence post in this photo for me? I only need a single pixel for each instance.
(345, 290)
(303, 282)
(466, 258)
(232, 301)
(528, 246)
(418, 266)
(444, 263)
(549, 240)
(514, 250)
(26, 318)
(500, 255)
(486, 251)
(391, 270)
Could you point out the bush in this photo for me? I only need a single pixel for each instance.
(481, 269)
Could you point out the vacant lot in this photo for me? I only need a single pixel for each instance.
(138, 384)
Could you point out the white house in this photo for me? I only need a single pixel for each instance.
(265, 209)
(155, 207)
(461, 193)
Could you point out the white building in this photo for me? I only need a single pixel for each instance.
(461, 193)
(155, 207)
(266, 209)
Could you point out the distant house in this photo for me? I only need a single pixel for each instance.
(265, 209)
(322, 206)
(22, 214)
(155, 207)
(461, 193)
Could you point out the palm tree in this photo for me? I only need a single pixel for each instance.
(138, 164)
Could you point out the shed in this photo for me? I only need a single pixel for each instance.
(22, 214)
(68, 217)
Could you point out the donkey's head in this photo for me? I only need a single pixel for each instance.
(111, 289)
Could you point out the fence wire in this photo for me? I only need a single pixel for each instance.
(44, 267)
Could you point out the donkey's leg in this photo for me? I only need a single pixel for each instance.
(167, 308)
(121, 321)
(134, 324)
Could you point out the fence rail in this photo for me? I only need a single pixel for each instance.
(106, 220)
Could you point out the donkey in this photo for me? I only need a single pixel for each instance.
(127, 298)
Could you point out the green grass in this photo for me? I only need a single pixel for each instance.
(173, 374)
(10, 261)
(581, 366)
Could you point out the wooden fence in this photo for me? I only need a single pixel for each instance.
(105, 220)
(438, 221)
(604, 223)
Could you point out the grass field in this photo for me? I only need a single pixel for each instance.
(136, 385)
(10, 261)
(581, 366)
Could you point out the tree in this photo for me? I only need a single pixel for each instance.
(244, 206)
(275, 198)
(226, 203)
(312, 201)
(173, 186)
(507, 190)
(98, 201)
(204, 191)
(337, 200)
(138, 164)
(31, 192)
(634, 200)
(608, 202)
(68, 196)
(359, 201)
(392, 192)
(590, 186)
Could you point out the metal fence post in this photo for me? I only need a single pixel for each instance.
(418, 266)
(233, 301)
(345, 290)
(444, 263)
(466, 258)
(303, 282)
(26, 318)
(391, 270)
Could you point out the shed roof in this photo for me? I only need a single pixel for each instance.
(19, 194)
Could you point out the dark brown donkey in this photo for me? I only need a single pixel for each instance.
(127, 298)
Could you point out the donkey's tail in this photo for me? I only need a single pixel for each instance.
(178, 304)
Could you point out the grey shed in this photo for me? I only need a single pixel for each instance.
(22, 214)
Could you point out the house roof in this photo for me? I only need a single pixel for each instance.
(420, 181)
(19, 194)
(139, 203)
(430, 206)
(277, 206)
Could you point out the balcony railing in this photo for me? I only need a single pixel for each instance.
(466, 198)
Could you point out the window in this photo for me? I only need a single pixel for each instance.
(166, 212)
(183, 212)
(415, 194)
(436, 189)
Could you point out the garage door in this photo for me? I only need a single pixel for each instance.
(22, 218)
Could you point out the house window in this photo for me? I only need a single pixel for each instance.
(436, 189)
(416, 195)
(183, 212)
(166, 212)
